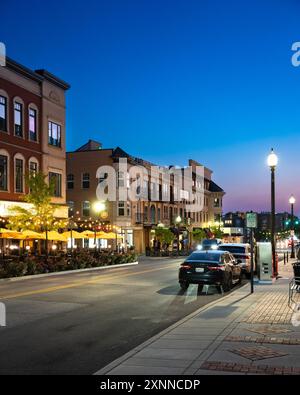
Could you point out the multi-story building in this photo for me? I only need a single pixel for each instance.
(32, 133)
(158, 201)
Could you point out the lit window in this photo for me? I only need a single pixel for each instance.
(54, 134)
(33, 168)
(32, 124)
(18, 109)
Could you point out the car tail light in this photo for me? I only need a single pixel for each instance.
(215, 268)
(186, 266)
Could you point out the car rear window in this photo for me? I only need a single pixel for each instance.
(202, 256)
(233, 249)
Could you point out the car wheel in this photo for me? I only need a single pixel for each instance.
(184, 285)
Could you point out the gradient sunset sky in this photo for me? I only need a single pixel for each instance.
(171, 80)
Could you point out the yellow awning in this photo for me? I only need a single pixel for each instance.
(88, 234)
(73, 234)
(30, 235)
(8, 234)
(108, 236)
(55, 236)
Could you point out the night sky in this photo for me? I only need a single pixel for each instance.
(171, 80)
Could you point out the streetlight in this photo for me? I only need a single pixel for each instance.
(177, 222)
(272, 163)
(292, 201)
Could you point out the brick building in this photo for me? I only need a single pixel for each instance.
(32, 133)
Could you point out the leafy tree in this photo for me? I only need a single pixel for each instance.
(217, 232)
(39, 216)
(164, 235)
(198, 235)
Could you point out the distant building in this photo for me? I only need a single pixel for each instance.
(135, 218)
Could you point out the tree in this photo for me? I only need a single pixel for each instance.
(39, 216)
(198, 235)
(164, 235)
(217, 232)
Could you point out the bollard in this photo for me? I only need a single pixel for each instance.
(284, 259)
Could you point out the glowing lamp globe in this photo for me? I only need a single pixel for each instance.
(272, 159)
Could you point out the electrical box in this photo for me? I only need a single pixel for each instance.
(264, 261)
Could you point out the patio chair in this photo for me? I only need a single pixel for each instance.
(294, 285)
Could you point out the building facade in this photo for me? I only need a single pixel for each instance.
(157, 201)
(32, 133)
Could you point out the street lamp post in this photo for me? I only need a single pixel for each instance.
(292, 201)
(272, 162)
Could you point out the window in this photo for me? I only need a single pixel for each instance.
(33, 167)
(86, 208)
(3, 113)
(121, 209)
(55, 178)
(71, 206)
(216, 202)
(54, 134)
(18, 116)
(3, 173)
(19, 175)
(70, 181)
(32, 124)
(85, 180)
(121, 179)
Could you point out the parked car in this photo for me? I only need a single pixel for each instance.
(241, 252)
(212, 267)
(210, 244)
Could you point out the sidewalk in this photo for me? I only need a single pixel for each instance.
(238, 334)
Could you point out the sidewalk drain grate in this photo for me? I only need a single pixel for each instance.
(257, 353)
(250, 369)
(267, 340)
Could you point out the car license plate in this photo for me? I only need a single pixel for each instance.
(199, 269)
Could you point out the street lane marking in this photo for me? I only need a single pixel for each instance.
(96, 280)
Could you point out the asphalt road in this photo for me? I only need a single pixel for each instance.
(78, 323)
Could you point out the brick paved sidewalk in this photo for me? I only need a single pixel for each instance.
(238, 334)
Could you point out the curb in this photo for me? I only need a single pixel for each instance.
(90, 269)
(135, 350)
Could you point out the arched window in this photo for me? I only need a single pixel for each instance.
(19, 163)
(33, 165)
(33, 122)
(153, 214)
(4, 170)
(18, 117)
(4, 113)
